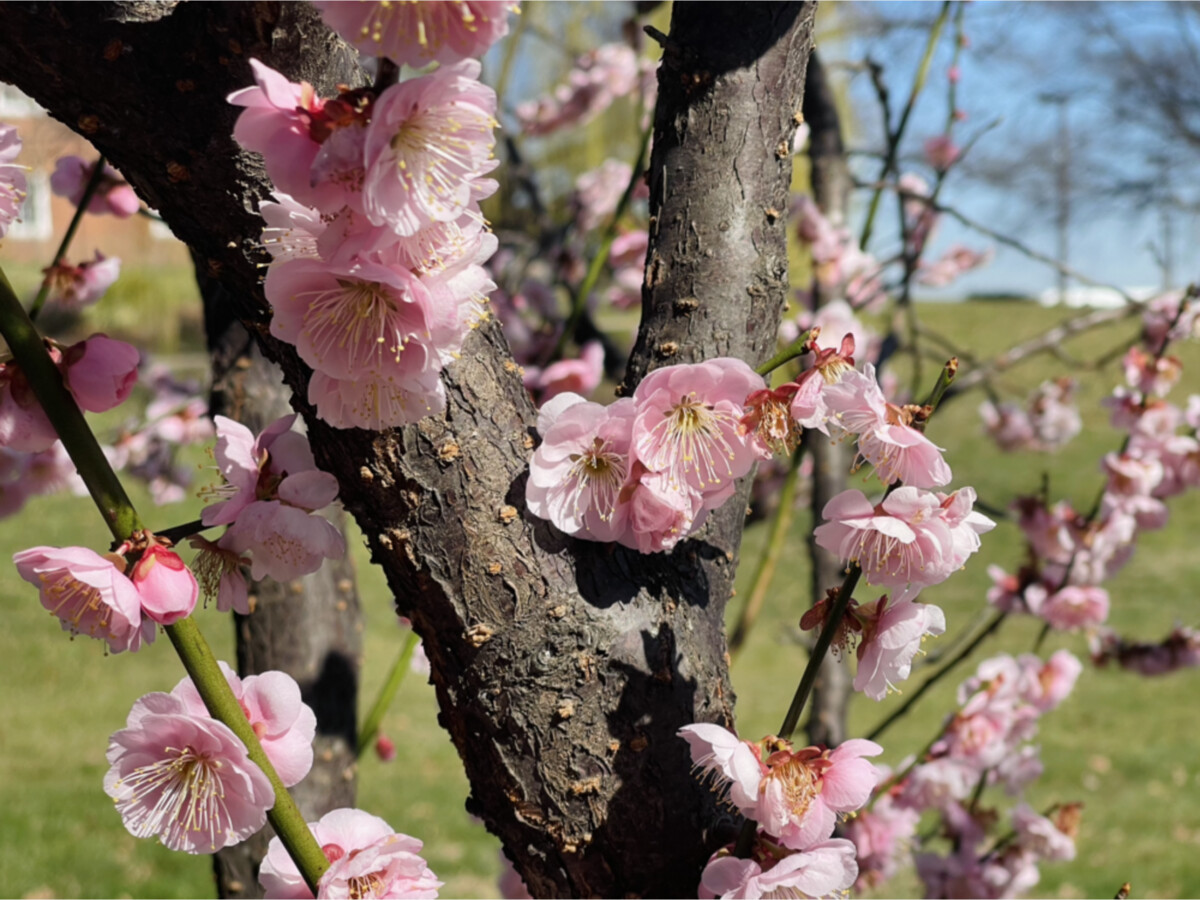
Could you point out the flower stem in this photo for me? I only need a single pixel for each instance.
(387, 693)
(89, 191)
(30, 354)
(122, 519)
(786, 355)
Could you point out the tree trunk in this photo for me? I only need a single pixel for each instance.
(310, 628)
(831, 459)
(563, 668)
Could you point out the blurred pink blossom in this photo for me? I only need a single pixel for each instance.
(12, 178)
(77, 286)
(941, 152)
(598, 78)
(100, 372)
(417, 34)
(113, 195)
(166, 587)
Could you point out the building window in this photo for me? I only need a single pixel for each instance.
(36, 222)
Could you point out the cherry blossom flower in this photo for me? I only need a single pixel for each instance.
(880, 835)
(577, 376)
(367, 859)
(184, 778)
(687, 421)
(23, 423)
(293, 229)
(1054, 419)
(1164, 321)
(794, 794)
(166, 587)
(77, 286)
(891, 638)
(769, 421)
(12, 178)
(112, 196)
(390, 867)
(1075, 607)
(598, 78)
(952, 264)
(429, 139)
(100, 372)
(277, 465)
(826, 869)
(660, 515)
(809, 408)
(920, 218)
(802, 791)
(285, 542)
(577, 474)
(941, 152)
(598, 192)
(219, 574)
(1041, 837)
(283, 723)
(417, 34)
(88, 593)
(902, 543)
(1151, 374)
(1049, 683)
(1007, 424)
(380, 402)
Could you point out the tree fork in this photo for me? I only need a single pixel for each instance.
(563, 668)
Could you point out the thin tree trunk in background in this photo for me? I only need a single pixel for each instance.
(831, 459)
(563, 668)
(310, 628)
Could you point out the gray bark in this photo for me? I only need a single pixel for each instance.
(563, 668)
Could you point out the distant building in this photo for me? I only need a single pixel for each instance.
(138, 241)
(1094, 297)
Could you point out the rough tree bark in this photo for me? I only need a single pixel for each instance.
(831, 460)
(563, 669)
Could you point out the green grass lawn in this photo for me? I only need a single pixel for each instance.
(1121, 744)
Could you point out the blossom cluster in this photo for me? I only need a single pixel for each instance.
(12, 178)
(181, 776)
(269, 497)
(367, 859)
(376, 231)
(1047, 421)
(795, 797)
(103, 598)
(597, 79)
(986, 742)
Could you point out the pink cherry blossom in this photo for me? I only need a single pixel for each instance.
(891, 638)
(941, 152)
(826, 869)
(88, 594)
(732, 764)
(390, 867)
(23, 423)
(769, 421)
(280, 121)
(881, 835)
(283, 723)
(802, 791)
(809, 408)
(112, 196)
(957, 511)
(1164, 321)
(1151, 374)
(12, 178)
(380, 402)
(1075, 607)
(687, 422)
(417, 34)
(1007, 424)
(1040, 836)
(578, 376)
(184, 779)
(920, 218)
(339, 832)
(577, 474)
(598, 78)
(660, 515)
(100, 372)
(77, 286)
(283, 541)
(429, 139)
(598, 192)
(348, 321)
(166, 587)
(952, 264)
(278, 464)
(1054, 418)
(1052, 681)
(293, 229)
(219, 574)
(903, 542)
